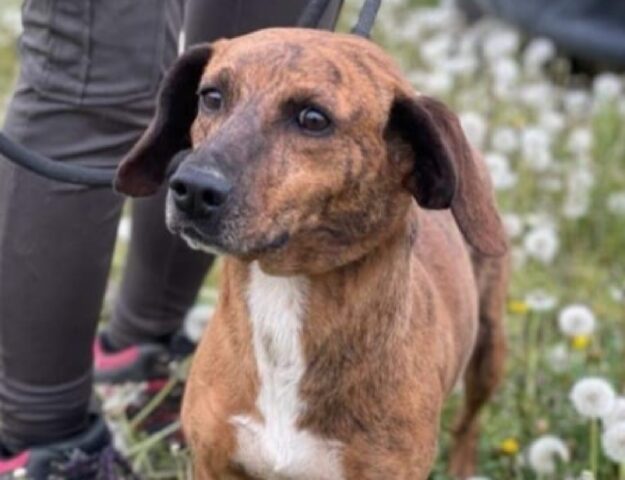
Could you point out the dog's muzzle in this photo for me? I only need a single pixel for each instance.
(198, 193)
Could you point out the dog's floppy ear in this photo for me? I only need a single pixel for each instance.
(143, 169)
(446, 171)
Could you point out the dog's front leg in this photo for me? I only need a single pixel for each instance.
(382, 464)
(201, 473)
(399, 451)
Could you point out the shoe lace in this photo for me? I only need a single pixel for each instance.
(112, 462)
(106, 464)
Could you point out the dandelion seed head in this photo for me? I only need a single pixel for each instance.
(616, 203)
(499, 166)
(613, 441)
(559, 358)
(505, 140)
(542, 244)
(537, 53)
(593, 397)
(616, 415)
(576, 320)
(474, 127)
(607, 86)
(545, 452)
(541, 301)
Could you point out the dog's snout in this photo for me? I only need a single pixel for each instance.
(198, 194)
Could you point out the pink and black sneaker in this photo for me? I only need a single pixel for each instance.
(147, 370)
(137, 363)
(87, 456)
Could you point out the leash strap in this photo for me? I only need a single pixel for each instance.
(62, 172)
(46, 167)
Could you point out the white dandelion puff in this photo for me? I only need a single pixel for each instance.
(551, 121)
(538, 96)
(607, 86)
(616, 415)
(499, 166)
(196, 321)
(538, 52)
(576, 205)
(617, 293)
(460, 65)
(11, 21)
(542, 244)
(439, 18)
(540, 301)
(580, 178)
(559, 358)
(613, 441)
(587, 475)
(505, 71)
(580, 141)
(513, 224)
(474, 127)
(437, 83)
(576, 102)
(593, 397)
(436, 48)
(575, 320)
(505, 140)
(545, 453)
(500, 43)
(536, 145)
(540, 220)
(616, 203)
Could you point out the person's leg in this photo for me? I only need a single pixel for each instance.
(163, 275)
(88, 76)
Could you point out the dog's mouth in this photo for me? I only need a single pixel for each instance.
(198, 241)
(221, 244)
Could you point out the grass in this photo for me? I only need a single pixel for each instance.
(585, 268)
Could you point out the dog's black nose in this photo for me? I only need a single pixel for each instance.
(198, 193)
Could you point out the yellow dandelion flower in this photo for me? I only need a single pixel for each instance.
(510, 446)
(580, 342)
(518, 306)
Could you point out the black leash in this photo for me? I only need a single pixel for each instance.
(103, 177)
(59, 171)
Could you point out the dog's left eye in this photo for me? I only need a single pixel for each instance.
(211, 99)
(312, 120)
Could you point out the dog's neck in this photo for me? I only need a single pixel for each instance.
(364, 295)
(305, 331)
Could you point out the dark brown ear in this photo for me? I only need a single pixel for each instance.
(447, 172)
(143, 169)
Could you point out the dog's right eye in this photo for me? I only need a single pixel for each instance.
(313, 120)
(211, 99)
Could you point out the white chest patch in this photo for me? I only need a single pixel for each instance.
(276, 449)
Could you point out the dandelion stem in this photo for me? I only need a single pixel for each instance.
(622, 471)
(594, 453)
(154, 403)
(533, 328)
(158, 398)
(151, 441)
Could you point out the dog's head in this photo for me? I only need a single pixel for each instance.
(308, 148)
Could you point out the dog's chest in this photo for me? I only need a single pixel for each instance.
(276, 449)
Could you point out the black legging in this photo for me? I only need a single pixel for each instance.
(86, 89)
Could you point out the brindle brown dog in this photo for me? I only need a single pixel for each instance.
(348, 208)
